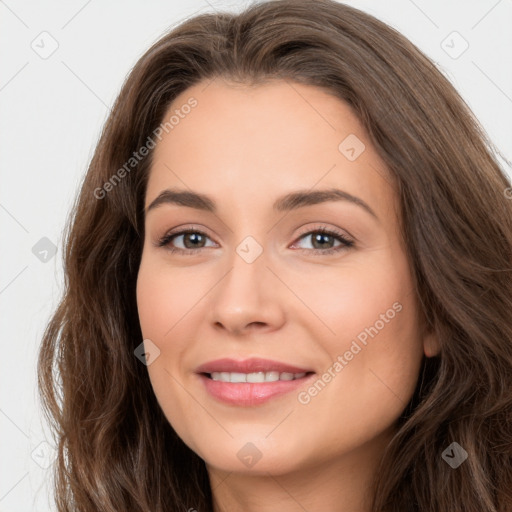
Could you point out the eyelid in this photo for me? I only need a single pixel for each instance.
(345, 239)
(179, 231)
(187, 227)
(305, 231)
(323, 228)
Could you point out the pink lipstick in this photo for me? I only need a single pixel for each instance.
(251, 381)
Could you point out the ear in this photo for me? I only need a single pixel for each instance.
(431, 345)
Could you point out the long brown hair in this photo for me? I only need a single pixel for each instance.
(116, 450)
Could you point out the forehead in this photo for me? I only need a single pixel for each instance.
(258, 142)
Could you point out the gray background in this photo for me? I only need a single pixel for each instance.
(52, 109)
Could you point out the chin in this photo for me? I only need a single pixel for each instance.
(255, 455)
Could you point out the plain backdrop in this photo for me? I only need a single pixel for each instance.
(62, 66)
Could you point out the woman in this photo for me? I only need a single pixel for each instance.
(211, 353)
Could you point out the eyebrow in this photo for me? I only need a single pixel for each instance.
(291, 201)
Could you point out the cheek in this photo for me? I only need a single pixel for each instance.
(162, 301)
(370, 320)
(163, 297)
(355, 297)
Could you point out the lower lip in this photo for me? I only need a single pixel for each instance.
(250, 393)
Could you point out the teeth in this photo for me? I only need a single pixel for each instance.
(255, 377)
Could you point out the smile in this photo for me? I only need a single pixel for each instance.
(230, 389)
(255, 377)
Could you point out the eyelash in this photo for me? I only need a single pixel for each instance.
(346, 243)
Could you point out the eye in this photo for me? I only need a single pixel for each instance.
(323, 239)
(194, 241)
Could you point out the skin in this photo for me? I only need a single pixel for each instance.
(245, 146)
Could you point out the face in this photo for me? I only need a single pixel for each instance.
(314, 284)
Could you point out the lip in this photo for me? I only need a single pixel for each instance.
(254, 364)
(246, 394)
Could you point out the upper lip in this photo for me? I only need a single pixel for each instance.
(249, 366)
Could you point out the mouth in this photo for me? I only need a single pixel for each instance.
(253, 389)
(255, 377)
(252, 381)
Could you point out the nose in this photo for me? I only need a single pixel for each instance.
(250, 297)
